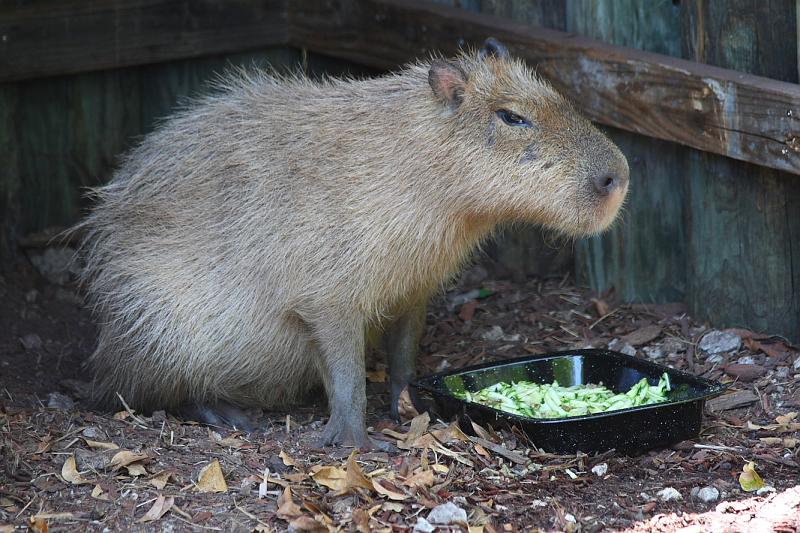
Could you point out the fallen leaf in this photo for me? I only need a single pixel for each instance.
(7, 528)
(377, 376)
(121, 415)
(405, 407)
(393, 507)
(99, 494)
(467, 310)
(231, 442)
(69, 471)
(642, 335)
(211, 478)
(287, 460)
(330, 476)
(355, 477)
(160, 480)
(418, 426)
(388, 489)
(771, 440)
(37, 524)
(287, 509)
(600, 307)
(125, 457)
(423, 478)
(449, 434)
(786, 419)
(306, 523)
(100, 445)
(749, 479)
(136, 470)
(789, 442)
(482, 451)
(361, 520)
(160, 507)
(440, 469)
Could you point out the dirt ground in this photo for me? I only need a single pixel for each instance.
(66, 468)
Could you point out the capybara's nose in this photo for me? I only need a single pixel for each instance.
(609, 181)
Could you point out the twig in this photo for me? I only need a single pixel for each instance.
(130, 412)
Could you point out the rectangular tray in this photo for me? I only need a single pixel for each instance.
(626, 430)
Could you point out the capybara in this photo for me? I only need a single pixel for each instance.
(248, 247)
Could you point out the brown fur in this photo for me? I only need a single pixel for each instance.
(243, 250)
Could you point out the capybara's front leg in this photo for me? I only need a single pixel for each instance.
(402, 346)
(344, 376)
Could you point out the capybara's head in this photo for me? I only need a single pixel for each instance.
(540, 159)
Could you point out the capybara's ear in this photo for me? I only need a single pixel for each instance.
(493, 48)
(447, 81)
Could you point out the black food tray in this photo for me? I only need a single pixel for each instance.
(625, 430)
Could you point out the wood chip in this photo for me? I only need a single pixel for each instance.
(732, 400)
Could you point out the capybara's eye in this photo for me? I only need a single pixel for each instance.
(512, 119)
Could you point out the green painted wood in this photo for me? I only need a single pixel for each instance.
(642, 257)
(744, 242)
(61, 135)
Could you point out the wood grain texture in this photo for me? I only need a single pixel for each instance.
(744, 239)
(643, 256)
(54, 37)
(721, 111)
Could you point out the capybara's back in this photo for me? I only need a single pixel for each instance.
(242, 251)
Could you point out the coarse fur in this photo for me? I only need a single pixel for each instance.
(241, 250)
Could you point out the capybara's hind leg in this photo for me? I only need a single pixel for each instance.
(402, 347)
(219, 413)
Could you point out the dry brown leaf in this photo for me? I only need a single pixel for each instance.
(771, 440)
(227, 442)
(69, 471)
(99, 494)
(101, 445)
(482, 451)
(287, 509)
(786, 419)
(789, 442)
(125, 457)
(405, 407)
(37, 524)
(423, 478)
(377, 376)
(7, 528)
(440, 469)
(449, 434)
(361, 520)
(136, 470)
(475, 529)
(306, 523)
(211, 478)
(160, 507)
(600, 307)
(389, 489)
(484, 433)
(121, 415)
(355, 478)
(419, 425)
(330, 476)
(393, 507)
(287, 460)
(160, 480)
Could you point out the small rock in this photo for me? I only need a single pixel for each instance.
(765, 490)
(746, 360)
(494, 334)
(447, 513)
(715, 342)
(570, 518)
(600, 470)
(423, 526)
(618, 345)
(56, 400)
(669, 494)
(93, 433)
(653, 352)
(745, 373)
(671, 345)
(706, 494)
(796, 364)
(31, 342)
(537, 503)
(714, 359)
(782, 372)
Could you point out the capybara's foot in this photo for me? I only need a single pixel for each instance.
(221, 414)
(338, 433)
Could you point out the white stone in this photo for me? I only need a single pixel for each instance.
(706, 494)
(797, 364)
(494, 334)
(600, 470)
(447, 513)
(669, 494)
(716, 341)
(423, 526)
(623, 347)
(765, 490)
(746, 360)
(653, 352)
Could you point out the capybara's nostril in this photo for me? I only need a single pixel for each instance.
(605, 183)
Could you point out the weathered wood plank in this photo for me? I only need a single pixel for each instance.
(716, 110)
(55, 37)
(643, 256)
(744, 237)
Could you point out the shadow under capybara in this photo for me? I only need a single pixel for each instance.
(248, 247)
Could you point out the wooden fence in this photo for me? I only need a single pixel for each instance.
(701, 96)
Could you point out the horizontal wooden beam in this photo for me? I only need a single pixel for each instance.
(745, 117)
(70, 36)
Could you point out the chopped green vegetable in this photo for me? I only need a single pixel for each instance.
(533, 400)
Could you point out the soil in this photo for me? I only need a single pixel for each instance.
(65, 467)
